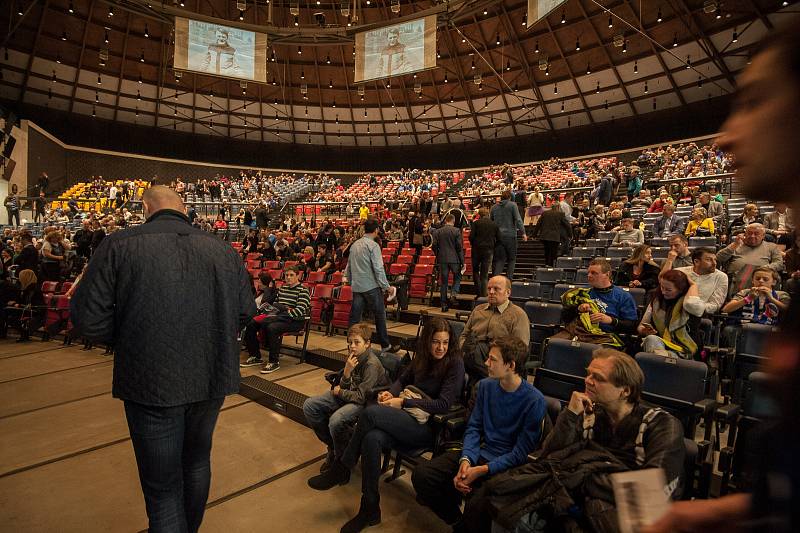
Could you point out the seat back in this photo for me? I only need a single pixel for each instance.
(568, 356)
(546, 274)
(522, 291)
(616, 251)
(753, 337)
(669, 377)
(543, 313)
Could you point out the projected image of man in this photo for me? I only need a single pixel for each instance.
(221, 56)
(393, 56)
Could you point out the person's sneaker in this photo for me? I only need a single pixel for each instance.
(269, 368)
(392, 294)
(251, 361)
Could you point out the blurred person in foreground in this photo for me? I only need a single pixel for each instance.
(170, 298)
(763, 132)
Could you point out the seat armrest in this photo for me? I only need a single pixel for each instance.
(456, 424)
(706, 405)
(728, 412)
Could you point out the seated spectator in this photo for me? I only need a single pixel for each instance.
(332, 415)
(599, 313)
(779, 225)
(747, 252)
(628, 235)
(27, 257)
(669, 224)
(323, 260)
(761, 303)
(54, 256)
(219, 223)
(598, 220)
(268, 292)
(504, 427)
(749, 216)
(658, 205)
(700, 225)
(428, 386)
(497, 318)
(638, 270)
(714, 192)
(250, 242)
(25, 309)
(603, 430)
(679, 254)
(287, 314)
(714, 209)
(712, 284)
(685, 197)
(643, 200)
(671, 323)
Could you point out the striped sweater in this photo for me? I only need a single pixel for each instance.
(296, 299)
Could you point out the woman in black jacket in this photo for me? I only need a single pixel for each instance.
(437, 372)
(28, 310)
(638, 270)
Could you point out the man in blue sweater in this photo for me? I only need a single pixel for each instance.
(505, 426)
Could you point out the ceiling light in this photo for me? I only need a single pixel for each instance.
(577, 44)
(675, 41)
(555, 88)
(473, 63)
(71, 8)
(497, 40)
(272, 57)
(524, 20)
(141, 57)
(688, 61)
(182, 3)
(563, 18)
(296, 21)
(699, 82)
(659, 18)
(110, 11)
(299, 50)
(53, 79)
(58, 57)
(146, 32)
(636, 67)
(63, 35)
(302, 74)
(536, 47)
(334, 102)
(99, 80)
(138, 95)
(624, 46)
(140, 78)
(241, 15)
(735, 36)
(508, 64)
(330, 84)
(105, 37)
(328, 59)
(445, 78)
(94, 112)
(438, 55)
(562, 107)
(485, 11)
(547, 71)
(597, 89)
(610, 21)
(588, 68)
(646, 90)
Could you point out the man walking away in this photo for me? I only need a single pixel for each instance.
(170, 298)
(506, 215)
(483, 237)
(450, 256)
(366, 275)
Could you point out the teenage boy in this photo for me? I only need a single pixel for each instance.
(761, 303)
(332, 415)
(504, 427)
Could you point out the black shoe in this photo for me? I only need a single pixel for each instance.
(337, 474)
(368, 515)
(445, 308)
(327, 464)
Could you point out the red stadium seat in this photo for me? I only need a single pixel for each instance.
(426, 252)
(421, 279)
(408, 251)
(49, 287)
(253, 263)
(57, 315)
(275, 273)
(393, 244)
(405, 259)
(65, 287)
(387, 259)
(287, 264)
(315, 277)
(342, 303)
(395, 269)
(253, 272)
(426, 260)
(336, 278)
(252, 255)
(272, 265)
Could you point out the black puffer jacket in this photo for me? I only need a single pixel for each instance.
(170, 298)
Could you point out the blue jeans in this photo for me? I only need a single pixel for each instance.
(505, 255)
(445, 269)
(374, 300)
(378, 428)
(173, 453)
(332, 419)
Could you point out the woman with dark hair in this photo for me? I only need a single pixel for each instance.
(638, 270)
(429, 386)
(27, 311)
(671, 323)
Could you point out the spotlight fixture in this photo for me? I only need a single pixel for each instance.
(485, 11)
(105, 37)
(497, 40)
(625, 46)
(445, 78)
(675, 41)
(334, 102)
(53, 79)
(63, 35)
(241, 15)
(610, 21)
(140, 78)
(688, 62)
(330, 84)
(516, 88)
(58, 57)
(563, 17)
(659, 18)
(139, 96)
(577, 44)
(99, 80)
(597, 89)
(438, 55)
(141, 57)
(508, 64)
(536, 47)
(562, 107)
(699, 82)
(735, 36)
(94, 112)
(636, 67)
(525, 20)
(146, 32)
(110, 11)
(555, 88)
(302, 74)
(328, 60)
(588, 68)
(473, 63)
(547, 71)
(299, 50)
(296, 21)
(272, 57)
(646, 90)
(71, 8)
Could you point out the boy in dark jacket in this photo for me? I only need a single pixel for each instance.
(332, 415)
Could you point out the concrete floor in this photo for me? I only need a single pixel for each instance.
(66, 462)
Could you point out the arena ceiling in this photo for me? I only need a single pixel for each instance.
(589, 61)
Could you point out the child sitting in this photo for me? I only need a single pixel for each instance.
(332, 415)
(761, 303)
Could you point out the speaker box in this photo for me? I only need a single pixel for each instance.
(9, 147)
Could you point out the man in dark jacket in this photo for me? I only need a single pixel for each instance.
(28, 258)
(170, 298)
(83, 239)
(483, 237)
(549, 230)
(506, 216)
(450, 256)
(261, 216)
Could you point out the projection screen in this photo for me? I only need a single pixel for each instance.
(219, 50)
(395, 50)
(539, 8)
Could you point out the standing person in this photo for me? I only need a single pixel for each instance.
(172, 368)
(763, 133)
(12, 205)
(39, 208)
(450, 255)
(535, 210)
(506, 216)
(549, 230)
(483, 236)
(366, 275)
(261, 216)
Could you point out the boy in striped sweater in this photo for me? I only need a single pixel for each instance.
(293, 304)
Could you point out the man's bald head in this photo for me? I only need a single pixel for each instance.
(160, 197)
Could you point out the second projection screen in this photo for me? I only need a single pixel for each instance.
(396, 50)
